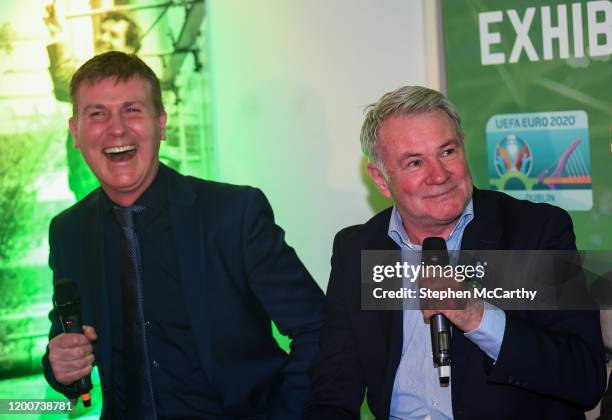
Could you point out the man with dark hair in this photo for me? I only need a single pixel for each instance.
(506, 364)
(179, 316)
(116, 31)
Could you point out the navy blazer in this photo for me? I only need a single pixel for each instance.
(551, 363)
(237, 273)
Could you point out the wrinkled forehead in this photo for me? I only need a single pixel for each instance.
(404, 124)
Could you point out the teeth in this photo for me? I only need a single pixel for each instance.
(120, 149)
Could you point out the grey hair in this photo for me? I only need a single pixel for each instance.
(406, 101)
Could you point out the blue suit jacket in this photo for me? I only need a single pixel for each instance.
(237, 274)
(551, 363)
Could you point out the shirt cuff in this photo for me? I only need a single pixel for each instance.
(490, 333)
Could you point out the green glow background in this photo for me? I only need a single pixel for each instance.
(33, 169)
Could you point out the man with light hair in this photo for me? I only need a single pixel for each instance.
(506, 364)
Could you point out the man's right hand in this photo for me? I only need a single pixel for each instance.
(51, 21)
(71, 355)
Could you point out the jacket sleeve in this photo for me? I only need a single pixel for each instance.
(56, 328)
(338, 386)
(565, 348)
(288, 294)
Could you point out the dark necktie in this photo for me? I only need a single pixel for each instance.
(139, 398)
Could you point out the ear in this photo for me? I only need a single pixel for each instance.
(162, 119)
(72, 124)
(379, 179)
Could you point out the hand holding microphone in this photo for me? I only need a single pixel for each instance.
(71, 353)
(464, 315)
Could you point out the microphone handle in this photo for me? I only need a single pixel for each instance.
(83, 385)
(440, 337)
(73, 324)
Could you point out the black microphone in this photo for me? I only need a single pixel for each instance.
(435, 253)
(68, 304)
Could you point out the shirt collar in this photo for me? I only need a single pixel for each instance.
(397, 232)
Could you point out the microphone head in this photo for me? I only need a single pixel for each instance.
(434, 251)
(434, 243)
(66, 296)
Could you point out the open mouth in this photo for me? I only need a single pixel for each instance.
(120, 153)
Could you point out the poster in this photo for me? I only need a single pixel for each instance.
(531, 82)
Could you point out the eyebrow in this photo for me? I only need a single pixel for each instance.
(450, 142)
(130, 103)
(101, 106)
(93, 106)
(409, 155)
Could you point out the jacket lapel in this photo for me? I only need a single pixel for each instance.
(485, 231)
(188, 233)
(95, 276)
(482, 233)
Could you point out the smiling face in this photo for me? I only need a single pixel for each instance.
(427, 173)
(112, 37)
(118, 131)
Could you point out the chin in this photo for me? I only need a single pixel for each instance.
(121, 183)
(448, 214)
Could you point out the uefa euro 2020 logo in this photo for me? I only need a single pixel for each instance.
(542, 157)
(513, 157)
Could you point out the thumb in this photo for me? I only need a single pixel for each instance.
(90, 333)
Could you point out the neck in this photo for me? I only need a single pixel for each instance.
(417, 234)
(127, 198)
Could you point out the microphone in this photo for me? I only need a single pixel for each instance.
(435, 253)
(68, 304)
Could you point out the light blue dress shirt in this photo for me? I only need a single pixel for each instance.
(417, 393)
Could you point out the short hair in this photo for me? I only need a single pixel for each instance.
(406, 101)
(133, 34)
(122, 67)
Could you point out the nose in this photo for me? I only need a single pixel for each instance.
(116, 126)
(104, 36)
(438, 174)
(101, 41)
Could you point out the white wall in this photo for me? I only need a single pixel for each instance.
(290, 80)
